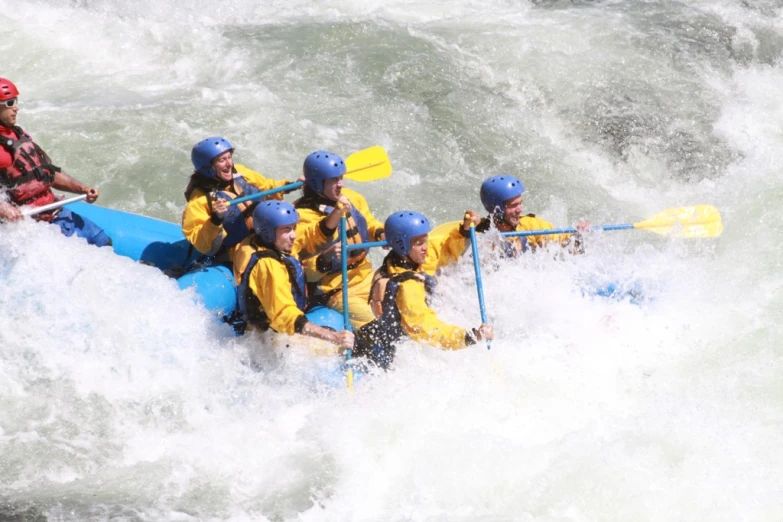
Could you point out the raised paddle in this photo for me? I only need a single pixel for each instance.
(346, 316)
(366, 165)
(697, 221)
(52, 206)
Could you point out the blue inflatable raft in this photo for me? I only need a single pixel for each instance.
(161, 244)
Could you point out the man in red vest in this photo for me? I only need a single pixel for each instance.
(27, 176)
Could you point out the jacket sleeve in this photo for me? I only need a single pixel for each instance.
(270, 283)
(421, 322)
(531, 222)
(310, 236)
(310, 240)
(374, 227)
(445, 250)
(198, 227)
(309, 262)
(260, 182)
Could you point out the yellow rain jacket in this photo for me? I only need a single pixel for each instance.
(416, 318)
(531, 222)
(271, 283)
(326, 278)
(309, 239)
(445, 250)
(197, 225)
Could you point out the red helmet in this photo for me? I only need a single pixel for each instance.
(7, 90)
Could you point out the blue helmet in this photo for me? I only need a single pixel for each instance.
(403, 226)
(271, 214)
(205, 151)
(320, 166)
(497, 190)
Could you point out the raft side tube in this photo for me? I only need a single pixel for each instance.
(141, 238)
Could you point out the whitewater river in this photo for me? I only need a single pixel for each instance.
(122, 399)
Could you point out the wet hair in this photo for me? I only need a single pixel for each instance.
(198, 181)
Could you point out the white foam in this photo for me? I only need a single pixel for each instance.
(121, 396)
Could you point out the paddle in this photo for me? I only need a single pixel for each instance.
(479, 285)
(52, 206)
(346, 316)
(366, 165)
(697, 221)
(265, 193)
(689, 222)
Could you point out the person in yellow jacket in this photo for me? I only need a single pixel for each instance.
(502, 198)
(212, 226)
(402, 287)
(272, 291)
(324, 194)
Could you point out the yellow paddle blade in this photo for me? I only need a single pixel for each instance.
(698, 221)
(368, 165)
(349, 378)
(443, 230)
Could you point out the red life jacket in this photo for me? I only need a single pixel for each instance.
(29, 178)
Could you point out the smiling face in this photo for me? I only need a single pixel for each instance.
(8, 114)
(418, 253)
(513, 211)
(284, 237)
(224, 166)
(333, 188)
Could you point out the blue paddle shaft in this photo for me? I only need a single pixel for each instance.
(290, 186)
(477, 270)
(344, 267)
(479, 284)
(524, 233)
(360, 246)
